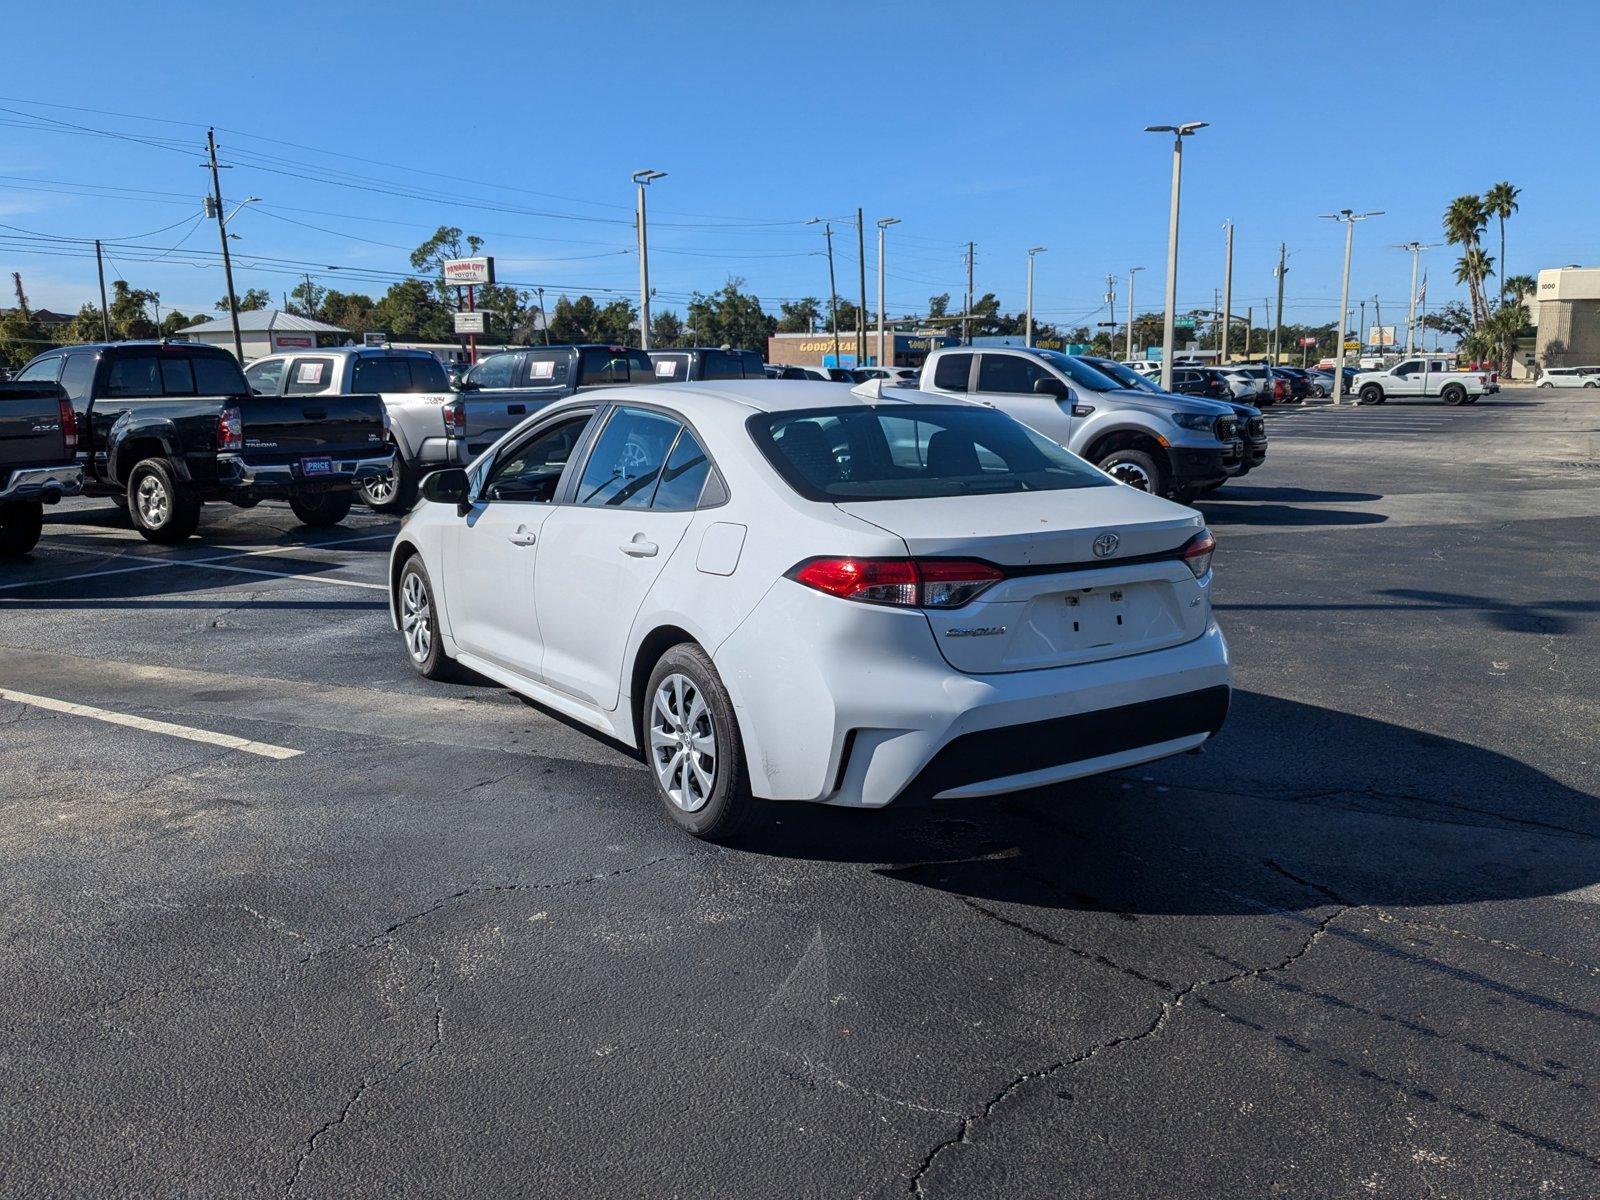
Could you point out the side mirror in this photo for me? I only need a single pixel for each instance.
(468, 385)
(1051, 386)
(446, 487)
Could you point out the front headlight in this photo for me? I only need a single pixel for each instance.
(1199, 422)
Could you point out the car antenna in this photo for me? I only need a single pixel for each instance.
(870, 390)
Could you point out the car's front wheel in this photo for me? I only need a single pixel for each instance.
(1371, 394)
(692, 743)
(419, 622)
(1137, 469)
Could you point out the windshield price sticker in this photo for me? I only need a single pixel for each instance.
(542, 370)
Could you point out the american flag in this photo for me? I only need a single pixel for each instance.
(1422, 292)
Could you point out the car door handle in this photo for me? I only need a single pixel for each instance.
(639, 548)
(522, 537)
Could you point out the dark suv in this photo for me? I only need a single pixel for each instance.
(688, 363)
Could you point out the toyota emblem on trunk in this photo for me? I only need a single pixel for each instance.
(1106, 545)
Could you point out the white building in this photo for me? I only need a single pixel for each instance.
(266, 330)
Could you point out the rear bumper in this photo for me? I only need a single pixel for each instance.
(438, 452)
(45, 485)
(234, 474)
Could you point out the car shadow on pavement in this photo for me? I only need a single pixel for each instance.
(1287, 495)
(1292, 806)
(1287, 515)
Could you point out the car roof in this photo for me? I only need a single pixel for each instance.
(761, 395)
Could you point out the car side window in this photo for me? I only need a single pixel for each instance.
(684, 477)
(950, 372)
(1407, 368)
(529, 472)
(265, 377)
(78, 377)
(1008, 373)
(627, 458)
(494, 372)
(308, 376)
(133, 377)
(45, 370)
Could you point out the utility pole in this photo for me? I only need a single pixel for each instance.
(1216, 311)
(833, 293)
(1361, 328)
(105, 313)
(1132, 271)
(966, 314)
(1377, 319)
(1227, 295)
(1249, 329)
(222, 232)
(1111, 312)
(861, 316)
(643, 179)
(544, 317)
(1178, 132)
(1277, 329)
(1028, 339)
(883, 224)
(1349, 217)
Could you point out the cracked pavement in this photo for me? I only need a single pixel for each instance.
(450, 949)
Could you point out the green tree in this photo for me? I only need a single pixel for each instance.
(733, 317)
(938, 306)
(1500, 202)
(1464, 223)
(512, 312)
(307, 298)
(21, 334)
(411, 311)
(799, 316)
(130, 311)
(175, 322)
(1472, 269)
(1453, 320)
(446, 243)
(85, 327)
(1504, 328)
(351, 311)
(985, 315)
(667, 330)
(253, 300)
(1518, 286)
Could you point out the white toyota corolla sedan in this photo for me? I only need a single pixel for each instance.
(794, 591)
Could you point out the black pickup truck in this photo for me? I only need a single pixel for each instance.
(166, 426)
(38, 460)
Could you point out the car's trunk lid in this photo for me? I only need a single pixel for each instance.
(1091, 574)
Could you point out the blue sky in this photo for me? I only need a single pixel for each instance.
(1013, 125)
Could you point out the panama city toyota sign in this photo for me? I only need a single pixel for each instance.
(469, 270)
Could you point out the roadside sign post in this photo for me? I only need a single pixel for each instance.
(469, 272)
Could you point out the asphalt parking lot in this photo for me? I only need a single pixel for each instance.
(382, 936)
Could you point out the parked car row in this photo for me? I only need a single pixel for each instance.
(1570, 377)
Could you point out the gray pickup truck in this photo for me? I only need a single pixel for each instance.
(38, 460)
(431, 425)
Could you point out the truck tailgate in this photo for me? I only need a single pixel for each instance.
(30, 426)
(279, 429)
(490, 414)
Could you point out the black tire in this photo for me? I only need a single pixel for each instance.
(20, 524)
(162, 509)
(1371, 393)
(393, 493)
(321, 509)
(1453, 394)
(1136, 469)
(419, 622)
(671, 742)
(1587, 385)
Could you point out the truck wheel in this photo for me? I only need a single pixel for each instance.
(322, 509)
(1371, 393)
(395, 492)
(1136, 469)
(20, 523)
(419, 622)
(1453, 393)
(162, 509)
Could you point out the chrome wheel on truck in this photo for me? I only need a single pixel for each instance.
(683, 743)
(153, 500)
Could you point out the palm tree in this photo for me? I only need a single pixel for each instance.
(1464, 221)
(1501, 201)
(1502, 331)
(1518, 286)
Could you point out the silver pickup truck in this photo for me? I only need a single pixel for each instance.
(431, 425)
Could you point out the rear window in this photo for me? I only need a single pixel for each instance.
(399, 375)
(911, 452)
(718, 364)
(616, 364)
(166, 373)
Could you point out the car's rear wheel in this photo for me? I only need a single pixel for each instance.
(20, 524)
(1453, 393)
(393, 492)
(692, 744)
(1137, 469)
(321, 509)
(419, 622)
(162, 509)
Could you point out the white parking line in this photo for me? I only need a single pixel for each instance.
(159, 564)
(264, 749)
(377, 587)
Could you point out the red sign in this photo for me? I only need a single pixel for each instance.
(1308, 341)
(296, 340)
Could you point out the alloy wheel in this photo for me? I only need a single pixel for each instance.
(1130, 473)
(380, 488)
(683, 743)
(153, 501)
(414, 614)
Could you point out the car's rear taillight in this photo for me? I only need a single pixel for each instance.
(455, 419)
(230, 429)
(1197, 552)
(69, 426)
(901, 582)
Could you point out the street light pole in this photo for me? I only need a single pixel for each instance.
(1349, 218)
(1132, 271)
(1227, 296)
(1416, 249)
(643, 179)
(883, 224)
(1178, 132)
(1028, 331)
(1277, 327)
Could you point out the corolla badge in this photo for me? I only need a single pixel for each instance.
(1106, 544)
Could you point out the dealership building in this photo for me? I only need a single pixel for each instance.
(1566, 311)
(266, 331)
(816, 349)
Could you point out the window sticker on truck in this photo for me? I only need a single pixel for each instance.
(541, 370)
(666, 370)
(309, 372)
